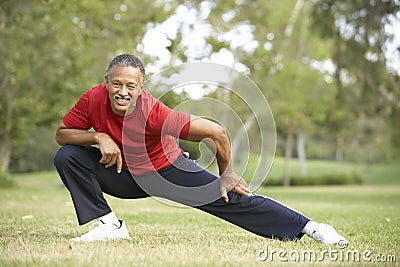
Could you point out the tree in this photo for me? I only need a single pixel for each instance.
(52, 51)
(363, 83)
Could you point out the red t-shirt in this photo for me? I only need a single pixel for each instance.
(146, 137)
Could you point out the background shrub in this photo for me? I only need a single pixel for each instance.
(6, 180)
(323, 179)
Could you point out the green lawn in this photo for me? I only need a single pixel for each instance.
(37, 220)
(370, 172)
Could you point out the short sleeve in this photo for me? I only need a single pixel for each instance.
(164, 120)
(78, 116)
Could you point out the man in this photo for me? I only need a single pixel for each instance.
(136, 155)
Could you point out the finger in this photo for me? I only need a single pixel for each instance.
(242, 182)
(246, 189)
(243, 185)
(104, 159)
(242, 191)
(224, 195)
(112, 161)
(119, 163)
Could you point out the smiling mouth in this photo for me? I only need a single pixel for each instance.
(122, 99)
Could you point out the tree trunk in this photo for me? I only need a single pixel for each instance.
(339, 148)
(293, 18)
(301, 150)
(236, 140)
(288, 155)
(5, 146)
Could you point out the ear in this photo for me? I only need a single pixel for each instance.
(141, 88)
(106, 80)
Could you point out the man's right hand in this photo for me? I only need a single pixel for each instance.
(111, 154)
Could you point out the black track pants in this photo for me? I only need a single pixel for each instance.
(87, 180)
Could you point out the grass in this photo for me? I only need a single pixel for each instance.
(370, 172)
(37, 219)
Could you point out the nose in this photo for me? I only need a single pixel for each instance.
(123, 90)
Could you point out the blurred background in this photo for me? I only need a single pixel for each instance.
(330, 70)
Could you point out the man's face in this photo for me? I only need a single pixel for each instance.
(124, 87)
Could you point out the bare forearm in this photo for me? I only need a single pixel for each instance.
(220, 146)
(77, 137)
(111, 153)
(216, 139)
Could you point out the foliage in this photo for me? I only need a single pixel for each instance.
(333, 56)
(363, 84)
(52, 51)
(5, 180)
(36, 153)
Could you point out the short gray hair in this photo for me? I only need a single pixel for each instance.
(126, 60)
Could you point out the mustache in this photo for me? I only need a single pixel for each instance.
(120, 97)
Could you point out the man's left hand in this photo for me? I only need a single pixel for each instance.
(230, 181)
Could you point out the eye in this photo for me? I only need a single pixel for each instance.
(131, 87)
(115, 85)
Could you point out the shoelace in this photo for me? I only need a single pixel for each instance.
(96, 223)
(99, 222)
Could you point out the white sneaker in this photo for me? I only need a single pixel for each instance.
(104, 231)
(327, 234)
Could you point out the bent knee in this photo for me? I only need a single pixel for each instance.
(65, 154)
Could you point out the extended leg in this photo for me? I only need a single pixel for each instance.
(257, 214)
